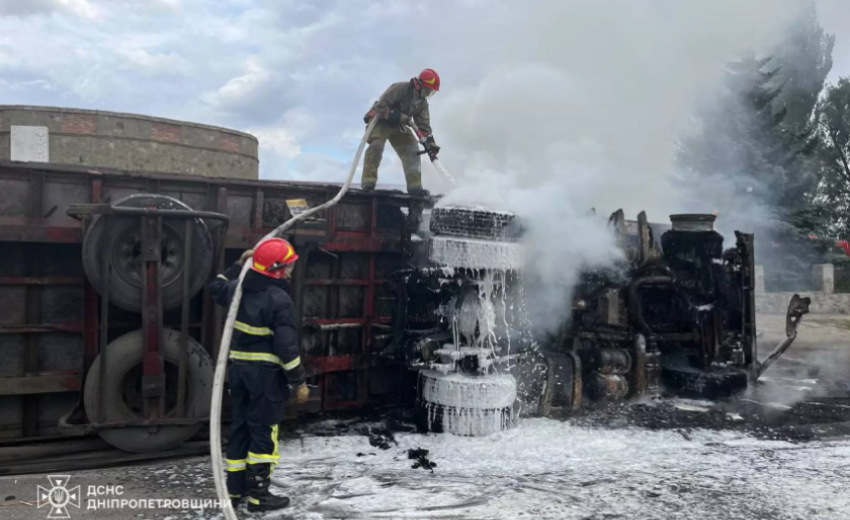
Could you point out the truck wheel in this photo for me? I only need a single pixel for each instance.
(475, 223)
(122, 392)
(123, 242)
(465, 405)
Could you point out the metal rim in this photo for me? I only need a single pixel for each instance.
(127, 255)
(130, 387)
(119, 240)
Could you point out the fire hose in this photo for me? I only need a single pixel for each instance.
(227, 334)
(423, 140)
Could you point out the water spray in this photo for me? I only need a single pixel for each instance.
(423, 140)
(227, 334)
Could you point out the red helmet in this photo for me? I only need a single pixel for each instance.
(272, 256)
(430, 79)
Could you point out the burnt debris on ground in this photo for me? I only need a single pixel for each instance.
(420, 455)
(805, 419)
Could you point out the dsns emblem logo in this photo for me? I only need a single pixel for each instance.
(58, 496)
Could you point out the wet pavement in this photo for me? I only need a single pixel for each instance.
(758, 457)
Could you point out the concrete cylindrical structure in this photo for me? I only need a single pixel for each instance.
(128, 142)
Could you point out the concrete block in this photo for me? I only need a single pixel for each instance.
(824, 277)
(30, 144)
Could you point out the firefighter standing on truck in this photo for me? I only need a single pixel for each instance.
(401, 102)
(264, 359)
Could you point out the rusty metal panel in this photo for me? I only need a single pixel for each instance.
(316, 300)
(319, 266)
(14, 197)
(13, 304)
(344, 279)
(387, 263)
(11, 412)
(354, 266)
(60, 259)
(114, 192)
(40, 384)
(240, 208)
(59, 193)
(315, 343)
(342, 387)
(351, 300)
(60, 352)
(189, 196)
(13, 261)
(11, 355)
(353, 217)
(275, 211)
(348, 342)
(62, 304)
(391, 220)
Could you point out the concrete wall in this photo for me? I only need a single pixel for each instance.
(135, 142)
(824, 300)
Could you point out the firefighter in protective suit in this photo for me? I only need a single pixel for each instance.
(264, 361)
(401, 102)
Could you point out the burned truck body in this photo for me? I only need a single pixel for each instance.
(682, 318)
(374, 298)
(676, 315)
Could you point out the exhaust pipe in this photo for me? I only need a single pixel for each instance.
(797, 307)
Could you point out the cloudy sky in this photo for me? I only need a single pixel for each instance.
(588, 94)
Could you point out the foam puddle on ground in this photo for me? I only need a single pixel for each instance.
(550, 469)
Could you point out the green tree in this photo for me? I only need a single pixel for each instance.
(745, 162)
(834, 126)
(742, 144)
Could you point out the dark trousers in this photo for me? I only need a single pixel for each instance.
(258, 397)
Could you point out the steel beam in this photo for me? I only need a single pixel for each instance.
(32, 385)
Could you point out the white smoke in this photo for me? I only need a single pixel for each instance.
(580, 107)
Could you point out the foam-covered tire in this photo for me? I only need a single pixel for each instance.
(465, 405)
(122, 392)
(123, 242)
(475, 223)
(467, 422)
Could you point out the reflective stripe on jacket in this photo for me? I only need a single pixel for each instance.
(264, 331)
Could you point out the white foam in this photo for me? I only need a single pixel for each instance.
(553, 470)
(470, 422)
(474, 253)
(462, 391)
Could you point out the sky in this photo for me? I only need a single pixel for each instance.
(591, 91)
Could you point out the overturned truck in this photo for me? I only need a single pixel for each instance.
(678, 316)
(110, 329)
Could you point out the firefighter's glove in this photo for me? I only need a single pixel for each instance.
(397, 119)
(302, 393)
(245, 256)
(431, 146)
(369, 115)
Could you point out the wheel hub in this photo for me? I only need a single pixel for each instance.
(131, 390)
(128, 262)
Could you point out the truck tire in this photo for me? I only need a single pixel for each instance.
(475, 223)
(123, 241)
(465, 405)
(122, 392)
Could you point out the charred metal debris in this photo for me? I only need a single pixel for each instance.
(679, 316)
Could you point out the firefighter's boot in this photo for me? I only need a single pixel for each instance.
(259, 497)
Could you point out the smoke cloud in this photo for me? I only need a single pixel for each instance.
(579, 107)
